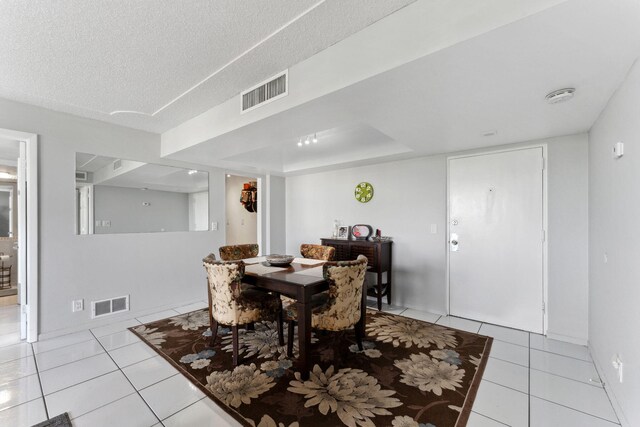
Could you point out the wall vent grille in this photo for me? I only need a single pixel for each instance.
(106, 307)
(117, 164)
(81, 176)
(265, 92)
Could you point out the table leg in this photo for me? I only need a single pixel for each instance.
(304, 338)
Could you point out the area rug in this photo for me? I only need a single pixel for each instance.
(61, 420)
(409, 374)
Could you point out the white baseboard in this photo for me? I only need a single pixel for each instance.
(567, 338)
(96, 323)
(612, 396)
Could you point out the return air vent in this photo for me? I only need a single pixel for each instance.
(265, 92)
(117, 164)
(109, 306)
(81, 176)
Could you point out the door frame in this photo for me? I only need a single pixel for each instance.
(30, 221)
(545, 228)
(9, 189)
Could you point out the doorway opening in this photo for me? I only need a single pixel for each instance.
(241, 210)
(18, 237)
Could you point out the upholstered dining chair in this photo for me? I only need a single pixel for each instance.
(235, 252)
(343, 307)
(231, 304)
(325, 253)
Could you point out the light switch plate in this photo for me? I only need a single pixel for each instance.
(214, 226)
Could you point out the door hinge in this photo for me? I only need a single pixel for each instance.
(544, 307)
(542, 163)
(544, 235)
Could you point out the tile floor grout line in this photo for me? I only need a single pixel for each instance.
(567, 378)
(73, 361)
(605, 390)
(505, 386)
(189, 405)
(129, 381)
(577, 410)
(81, 382)
(44, 402)
(560, 354)
(63, 346)
(514, 363)
(492, 419)
(157, 382)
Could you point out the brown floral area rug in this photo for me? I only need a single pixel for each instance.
(409, 374)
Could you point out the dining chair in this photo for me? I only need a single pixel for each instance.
(325, 253)
(235, 252)
(233, 304)
(343, 307)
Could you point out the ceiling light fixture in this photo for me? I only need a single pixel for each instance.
(228, 175)
(315, 138)
(307, 141)
(300, 143)
(192, 171)
(560, 95)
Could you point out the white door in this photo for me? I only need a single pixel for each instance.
(496, 238)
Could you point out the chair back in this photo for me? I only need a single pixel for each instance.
(235, 252)
(325, 253)
(346, 282)
(224, 279)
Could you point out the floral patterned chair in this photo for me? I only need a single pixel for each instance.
(235, 252)
(343, 307)
(232, 304)
(325, 253)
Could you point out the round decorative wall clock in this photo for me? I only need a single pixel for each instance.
(364, 192)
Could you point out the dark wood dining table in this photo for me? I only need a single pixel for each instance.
(293, 283)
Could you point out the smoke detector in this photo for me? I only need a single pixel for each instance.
(560, 95)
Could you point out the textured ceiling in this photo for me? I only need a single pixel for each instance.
(167, 61)
(446, 101)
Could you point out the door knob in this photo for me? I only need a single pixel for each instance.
(454, 242)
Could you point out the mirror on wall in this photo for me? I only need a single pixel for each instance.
(125, 196)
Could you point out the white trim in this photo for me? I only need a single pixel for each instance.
(31, 161)
(545, 226)
(9, 189)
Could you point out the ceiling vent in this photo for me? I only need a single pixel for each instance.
(81, 176)
(109, 306)
(117, 164)
(265, 92)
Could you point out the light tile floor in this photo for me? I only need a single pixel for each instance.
(106, 376)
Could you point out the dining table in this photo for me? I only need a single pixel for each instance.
(300, 280)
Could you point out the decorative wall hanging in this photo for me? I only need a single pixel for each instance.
(249, 196)
(364, 192)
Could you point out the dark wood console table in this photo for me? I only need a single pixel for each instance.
(379, 256)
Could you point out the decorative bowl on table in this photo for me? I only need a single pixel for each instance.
(280, 260)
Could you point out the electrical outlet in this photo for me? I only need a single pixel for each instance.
(106, 223)
(77, 305)
(214, 226)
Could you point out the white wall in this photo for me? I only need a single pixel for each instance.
(410, 195)
(124, 209)
(276, 215)
(614, 209)
(156, 269)
(242, 225)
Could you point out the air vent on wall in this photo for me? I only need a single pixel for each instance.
(117, 164)
(267, 91)
(109, 306)
(81, 176)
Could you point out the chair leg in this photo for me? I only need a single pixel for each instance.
(358, 329)
(214, 331)
(234, 330)
(280, 327)
(292, 325)
(251, 326)
(379, 291)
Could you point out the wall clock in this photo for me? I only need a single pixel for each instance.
(364, 192)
